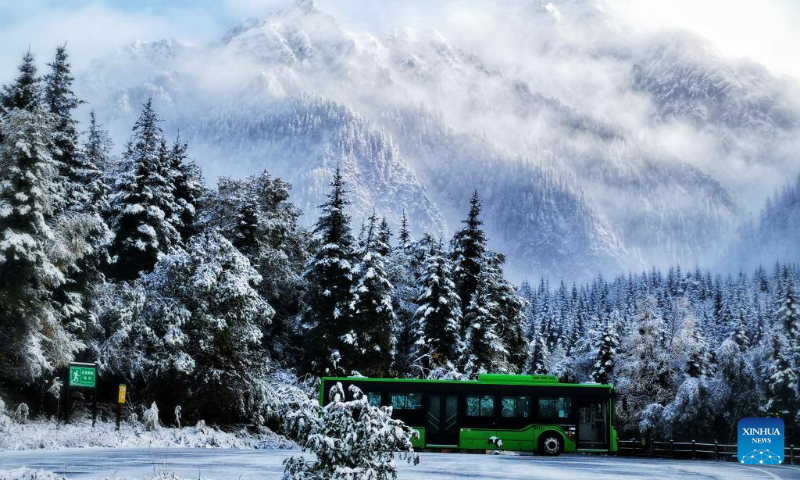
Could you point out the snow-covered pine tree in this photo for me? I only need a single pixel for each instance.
(143, 201)
(404, 235)
(538, 355)
(483, 349)
(199, 320)
(61, 102)
(783, 360)
(350, 439)
(329, 276)
(80, 224)
(690, 412)
(468, 251)
(605, 342)
(787, 313)
(734, 385)
(187, 183)
(33, 340)
(782, 382)
(25, 92)
(96, 166)
(511, 321)
(384, 245)
(255, 214)
(438, 317)
(399, 268)
(645, 366)
(691, 349)
(372, 309)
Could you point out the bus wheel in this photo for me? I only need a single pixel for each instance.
(550, 444)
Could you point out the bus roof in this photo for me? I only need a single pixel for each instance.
(483, 379)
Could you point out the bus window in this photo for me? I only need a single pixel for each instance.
(516, 407)
(374, 399)
(406, 401)
(555, 407)
(480, 406)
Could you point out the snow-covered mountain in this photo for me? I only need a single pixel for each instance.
(594, 147)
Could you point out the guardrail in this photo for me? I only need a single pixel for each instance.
(692, 450)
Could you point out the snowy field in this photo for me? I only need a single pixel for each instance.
(223, 464)
(42, 434)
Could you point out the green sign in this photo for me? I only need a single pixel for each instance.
(81, 375)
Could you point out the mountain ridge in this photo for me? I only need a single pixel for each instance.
(632, 198)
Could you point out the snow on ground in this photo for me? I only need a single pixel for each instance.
(224, 464)
(23, 473)
(43, 434)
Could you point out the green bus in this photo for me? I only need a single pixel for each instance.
(532, 413)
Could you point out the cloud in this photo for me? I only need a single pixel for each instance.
(92, 29)
(765, 31)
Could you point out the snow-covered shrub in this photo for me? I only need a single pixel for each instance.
(178, 416)
(350, 440)
(150, 418)
(277, 395)
(21, 413)
(133, 418)
(5, 420)
(23, 473)
(54, 390)
(447, 371)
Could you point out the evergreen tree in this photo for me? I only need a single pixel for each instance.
(787, 313)
(735, 383)
(25, 93)
(349, 439)
(483, 348)
(401, 275)
(61, 102)
(329, 276)
(510, 320)
(469, 248)
(645, 370)
(97, 164)
(198, 319)
(438, 317)
(256, 215)
(187, 184)
(404, 236)
(605, 345)
(782, 382)
(33, 340)
(538, 356)
(143, 201)
(372, 308)
(80, 186)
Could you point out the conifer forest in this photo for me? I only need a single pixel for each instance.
(214, 296)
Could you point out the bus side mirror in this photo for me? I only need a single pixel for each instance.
(624, 404)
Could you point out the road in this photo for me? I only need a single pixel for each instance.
(221, 464)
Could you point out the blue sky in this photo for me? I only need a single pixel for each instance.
(765, 30)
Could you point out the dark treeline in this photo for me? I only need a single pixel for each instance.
(203, 297)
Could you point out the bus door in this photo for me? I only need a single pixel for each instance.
(441, 427)
(593, 423)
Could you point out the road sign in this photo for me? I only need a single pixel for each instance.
(82, 375)
(122, 390)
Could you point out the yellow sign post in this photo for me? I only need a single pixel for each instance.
(121, 393)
